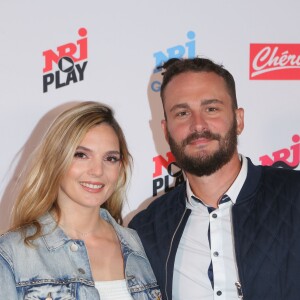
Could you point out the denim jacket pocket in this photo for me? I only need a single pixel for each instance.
(50, 292)
(140, 278)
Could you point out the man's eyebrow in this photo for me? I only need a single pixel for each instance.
(180, 105)
(211, 101)
(203, 102)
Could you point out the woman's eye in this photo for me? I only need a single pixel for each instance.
(112, 158)
(80, 155)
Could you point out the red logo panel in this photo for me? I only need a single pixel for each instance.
(274, 62)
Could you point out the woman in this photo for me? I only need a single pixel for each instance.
(60, 246)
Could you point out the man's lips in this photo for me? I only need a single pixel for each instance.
(200, 141)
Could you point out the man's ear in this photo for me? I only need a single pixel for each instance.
(165, 130)
(239, 114)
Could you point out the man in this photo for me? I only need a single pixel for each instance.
(232, 230)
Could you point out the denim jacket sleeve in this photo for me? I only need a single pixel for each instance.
(7, 282)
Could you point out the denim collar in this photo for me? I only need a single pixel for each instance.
(54, 237)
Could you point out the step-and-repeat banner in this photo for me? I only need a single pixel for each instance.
(56, 53)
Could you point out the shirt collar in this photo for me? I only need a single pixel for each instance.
(237, 185)
(232, 192)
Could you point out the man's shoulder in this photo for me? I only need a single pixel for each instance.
(274, 176)
(281, 173)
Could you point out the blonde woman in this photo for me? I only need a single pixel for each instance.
(66, 240)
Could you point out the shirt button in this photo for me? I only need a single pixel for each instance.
(216, 253)
(74, 247)
(214, 216)
(81, 271)
(219, 293)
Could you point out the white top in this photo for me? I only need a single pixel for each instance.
(193, 257)
(113, 290)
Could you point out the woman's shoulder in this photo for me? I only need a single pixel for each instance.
(14, 238)
(10, 242)
(11, 236)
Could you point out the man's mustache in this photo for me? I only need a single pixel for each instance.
(198, 135)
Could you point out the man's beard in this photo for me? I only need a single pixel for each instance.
(205, 164)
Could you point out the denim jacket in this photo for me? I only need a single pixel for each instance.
(58, 268)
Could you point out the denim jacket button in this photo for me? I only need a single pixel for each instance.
(74, 247)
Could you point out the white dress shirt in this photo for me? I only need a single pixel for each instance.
(194, 254)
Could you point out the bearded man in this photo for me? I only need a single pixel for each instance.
(232, 229)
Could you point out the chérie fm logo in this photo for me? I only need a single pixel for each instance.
(66, 64)
(274, 62)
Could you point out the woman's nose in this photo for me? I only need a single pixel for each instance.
(96, 168)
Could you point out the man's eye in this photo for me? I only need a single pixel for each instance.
(80, 155)
(212, 109)
(181, 114)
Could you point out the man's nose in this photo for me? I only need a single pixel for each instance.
(198, 122)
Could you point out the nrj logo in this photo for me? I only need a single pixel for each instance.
(187, 49)
(70, 59)
(166, 182)
(274, 62)
(288, 158)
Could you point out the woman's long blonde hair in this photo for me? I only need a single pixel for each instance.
(52, 159)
